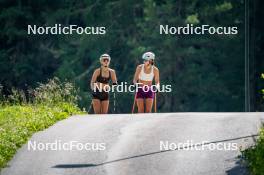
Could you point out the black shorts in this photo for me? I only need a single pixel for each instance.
(102, 96)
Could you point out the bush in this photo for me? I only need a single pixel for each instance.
(254, 156)
(55, 91)
(18, 123)
(20, 117)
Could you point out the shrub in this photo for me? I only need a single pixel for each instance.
(18, 123)
(55, 91)
(254, 156)
(20, 117)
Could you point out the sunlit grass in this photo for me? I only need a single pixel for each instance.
(254, 156)
(19, 118)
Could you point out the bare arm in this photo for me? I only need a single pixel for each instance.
(136, 76)
(156, 75)
(113, 76)
(93, 80)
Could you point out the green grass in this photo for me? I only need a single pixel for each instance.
(21, 115)
(254, 156)
(19, 122)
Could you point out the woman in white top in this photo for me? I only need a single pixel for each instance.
(144, 76)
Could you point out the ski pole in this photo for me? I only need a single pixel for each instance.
(133, 108)
(155, 103)
(114, 103)
(90, 107)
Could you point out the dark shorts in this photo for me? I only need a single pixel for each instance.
(148, 93)
(102, 96)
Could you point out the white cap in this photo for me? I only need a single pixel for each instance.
(105, 56)
(148, 56)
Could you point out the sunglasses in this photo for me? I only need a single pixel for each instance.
(148, 60)
(105, 60)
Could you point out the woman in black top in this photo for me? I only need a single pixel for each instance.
(100, 79)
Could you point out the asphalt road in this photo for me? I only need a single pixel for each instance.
(130, 145)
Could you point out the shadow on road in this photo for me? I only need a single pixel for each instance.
(238, 169)
(230, 172)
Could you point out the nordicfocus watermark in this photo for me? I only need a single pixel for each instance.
(125, 87)
(191, 29)
(59, 29)
(59, 145)
(189, 145)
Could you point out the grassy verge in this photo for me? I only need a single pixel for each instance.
(254, 156)
(20, 118)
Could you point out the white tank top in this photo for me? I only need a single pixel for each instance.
(146, 77)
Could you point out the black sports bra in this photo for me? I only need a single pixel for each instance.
(104, 80)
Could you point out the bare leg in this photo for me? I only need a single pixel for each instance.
(97, 106)
(149, 103)
(140, 105)
(104, 106)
